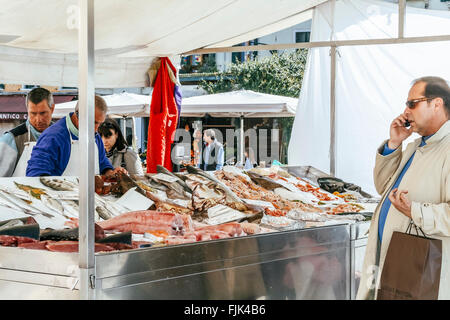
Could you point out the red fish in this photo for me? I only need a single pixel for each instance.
(72, 246)
(135, 220)
(41, 245)
(234, 229)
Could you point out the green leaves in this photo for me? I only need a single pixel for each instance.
(279, 74)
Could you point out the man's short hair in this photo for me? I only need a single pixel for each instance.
(210, 133)
(100, 104)
(436, 87)
(37, 95)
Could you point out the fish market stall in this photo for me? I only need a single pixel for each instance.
(229, 234)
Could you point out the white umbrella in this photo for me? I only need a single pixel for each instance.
(247, 103)
(119, 105)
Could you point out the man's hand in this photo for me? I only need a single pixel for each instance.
(110, 172)
(398, 132)
(400, 201)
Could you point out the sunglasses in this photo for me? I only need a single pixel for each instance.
(411, 104)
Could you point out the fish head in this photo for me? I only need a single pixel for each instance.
(177, 224)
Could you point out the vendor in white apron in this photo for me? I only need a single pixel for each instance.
(16, 145)
(57, 153)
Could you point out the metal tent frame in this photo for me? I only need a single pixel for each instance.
(86, 97)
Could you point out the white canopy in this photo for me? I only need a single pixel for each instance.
(247, 103)
(119, 105)
(39, 39)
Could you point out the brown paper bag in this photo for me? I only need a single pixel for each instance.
(412, 268)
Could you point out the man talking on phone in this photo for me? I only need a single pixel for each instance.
(414, 183)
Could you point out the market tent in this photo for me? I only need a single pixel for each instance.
(39, 43)
(372, 83)
(119, 105)
(247, 103)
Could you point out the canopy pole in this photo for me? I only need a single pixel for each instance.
(333, 112)
(241, 137)
(124, 127)
(401, 18)
(86, 89)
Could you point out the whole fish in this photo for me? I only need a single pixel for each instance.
(115, 208)
(71, 208)
(125, 183)
(20, 204)
(58, 184)
(52, 204)
(162, 169)
(103, 212)
(264, 181)
(34, 192)
(202, 173)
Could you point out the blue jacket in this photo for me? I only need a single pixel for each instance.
(51, 153)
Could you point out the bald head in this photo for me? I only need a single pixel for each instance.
(101, 110)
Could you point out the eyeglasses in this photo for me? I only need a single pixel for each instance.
(411, 104)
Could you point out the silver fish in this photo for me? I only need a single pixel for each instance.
(183, 184)
(18, 203)
(115, 209)
(58, 184)
(103, 212)
(71, 208)
(220, 184)
(53, 205)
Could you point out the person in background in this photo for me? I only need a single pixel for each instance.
(197, 147)
(117, 150)
(414, 183)
(250, 161)
(17, 144)
(57, 152)
(213, 154)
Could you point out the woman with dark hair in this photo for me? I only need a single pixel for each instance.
(117, 150)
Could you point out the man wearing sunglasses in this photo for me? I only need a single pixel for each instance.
(414, 183)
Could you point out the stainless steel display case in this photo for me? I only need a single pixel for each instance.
(358, 243)
(311, 263)
(358, 230)
(314, 263)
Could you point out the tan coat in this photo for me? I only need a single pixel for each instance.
(428, 183)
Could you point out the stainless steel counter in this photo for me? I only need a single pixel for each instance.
(314, 263)
(302, 264)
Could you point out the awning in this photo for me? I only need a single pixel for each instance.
(12, 107)
(39, 43)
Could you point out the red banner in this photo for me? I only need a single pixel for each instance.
(163, 119)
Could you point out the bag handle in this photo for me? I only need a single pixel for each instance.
(409, 229)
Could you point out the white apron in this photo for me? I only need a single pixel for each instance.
(73, 166)
(21, 168)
